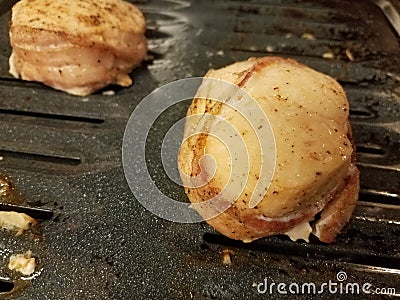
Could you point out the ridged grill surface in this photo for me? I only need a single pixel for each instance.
(64, 153)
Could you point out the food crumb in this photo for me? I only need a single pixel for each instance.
(226, 256)
(308, 36)
(269, 49)
(349, 55)
(23, 263)
(108, 93)
(14, 221)
(328, 55)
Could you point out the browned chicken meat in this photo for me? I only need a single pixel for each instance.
(77, 46)
(315, 183)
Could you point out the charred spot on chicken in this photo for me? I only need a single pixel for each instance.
(315, 170)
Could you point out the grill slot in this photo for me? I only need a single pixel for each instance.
(51, 116)
(374, 196)
(310, 251)
(362, 114)
(40, 158)
(34, 212)
(370, 150)
(374, 107)
(385, 142)
(374, 176)
(6, 286)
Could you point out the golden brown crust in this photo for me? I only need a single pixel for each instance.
(77, 46)
(338, 212)
(85, 16)
(239, 221)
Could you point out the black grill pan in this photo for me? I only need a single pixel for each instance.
(64, 154)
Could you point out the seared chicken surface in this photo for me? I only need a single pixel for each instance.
(315, 157)
(77, 46)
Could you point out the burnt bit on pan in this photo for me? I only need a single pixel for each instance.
(12, 200)
(8, 193)
(14, 213)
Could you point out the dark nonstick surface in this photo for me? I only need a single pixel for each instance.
(64, 154)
